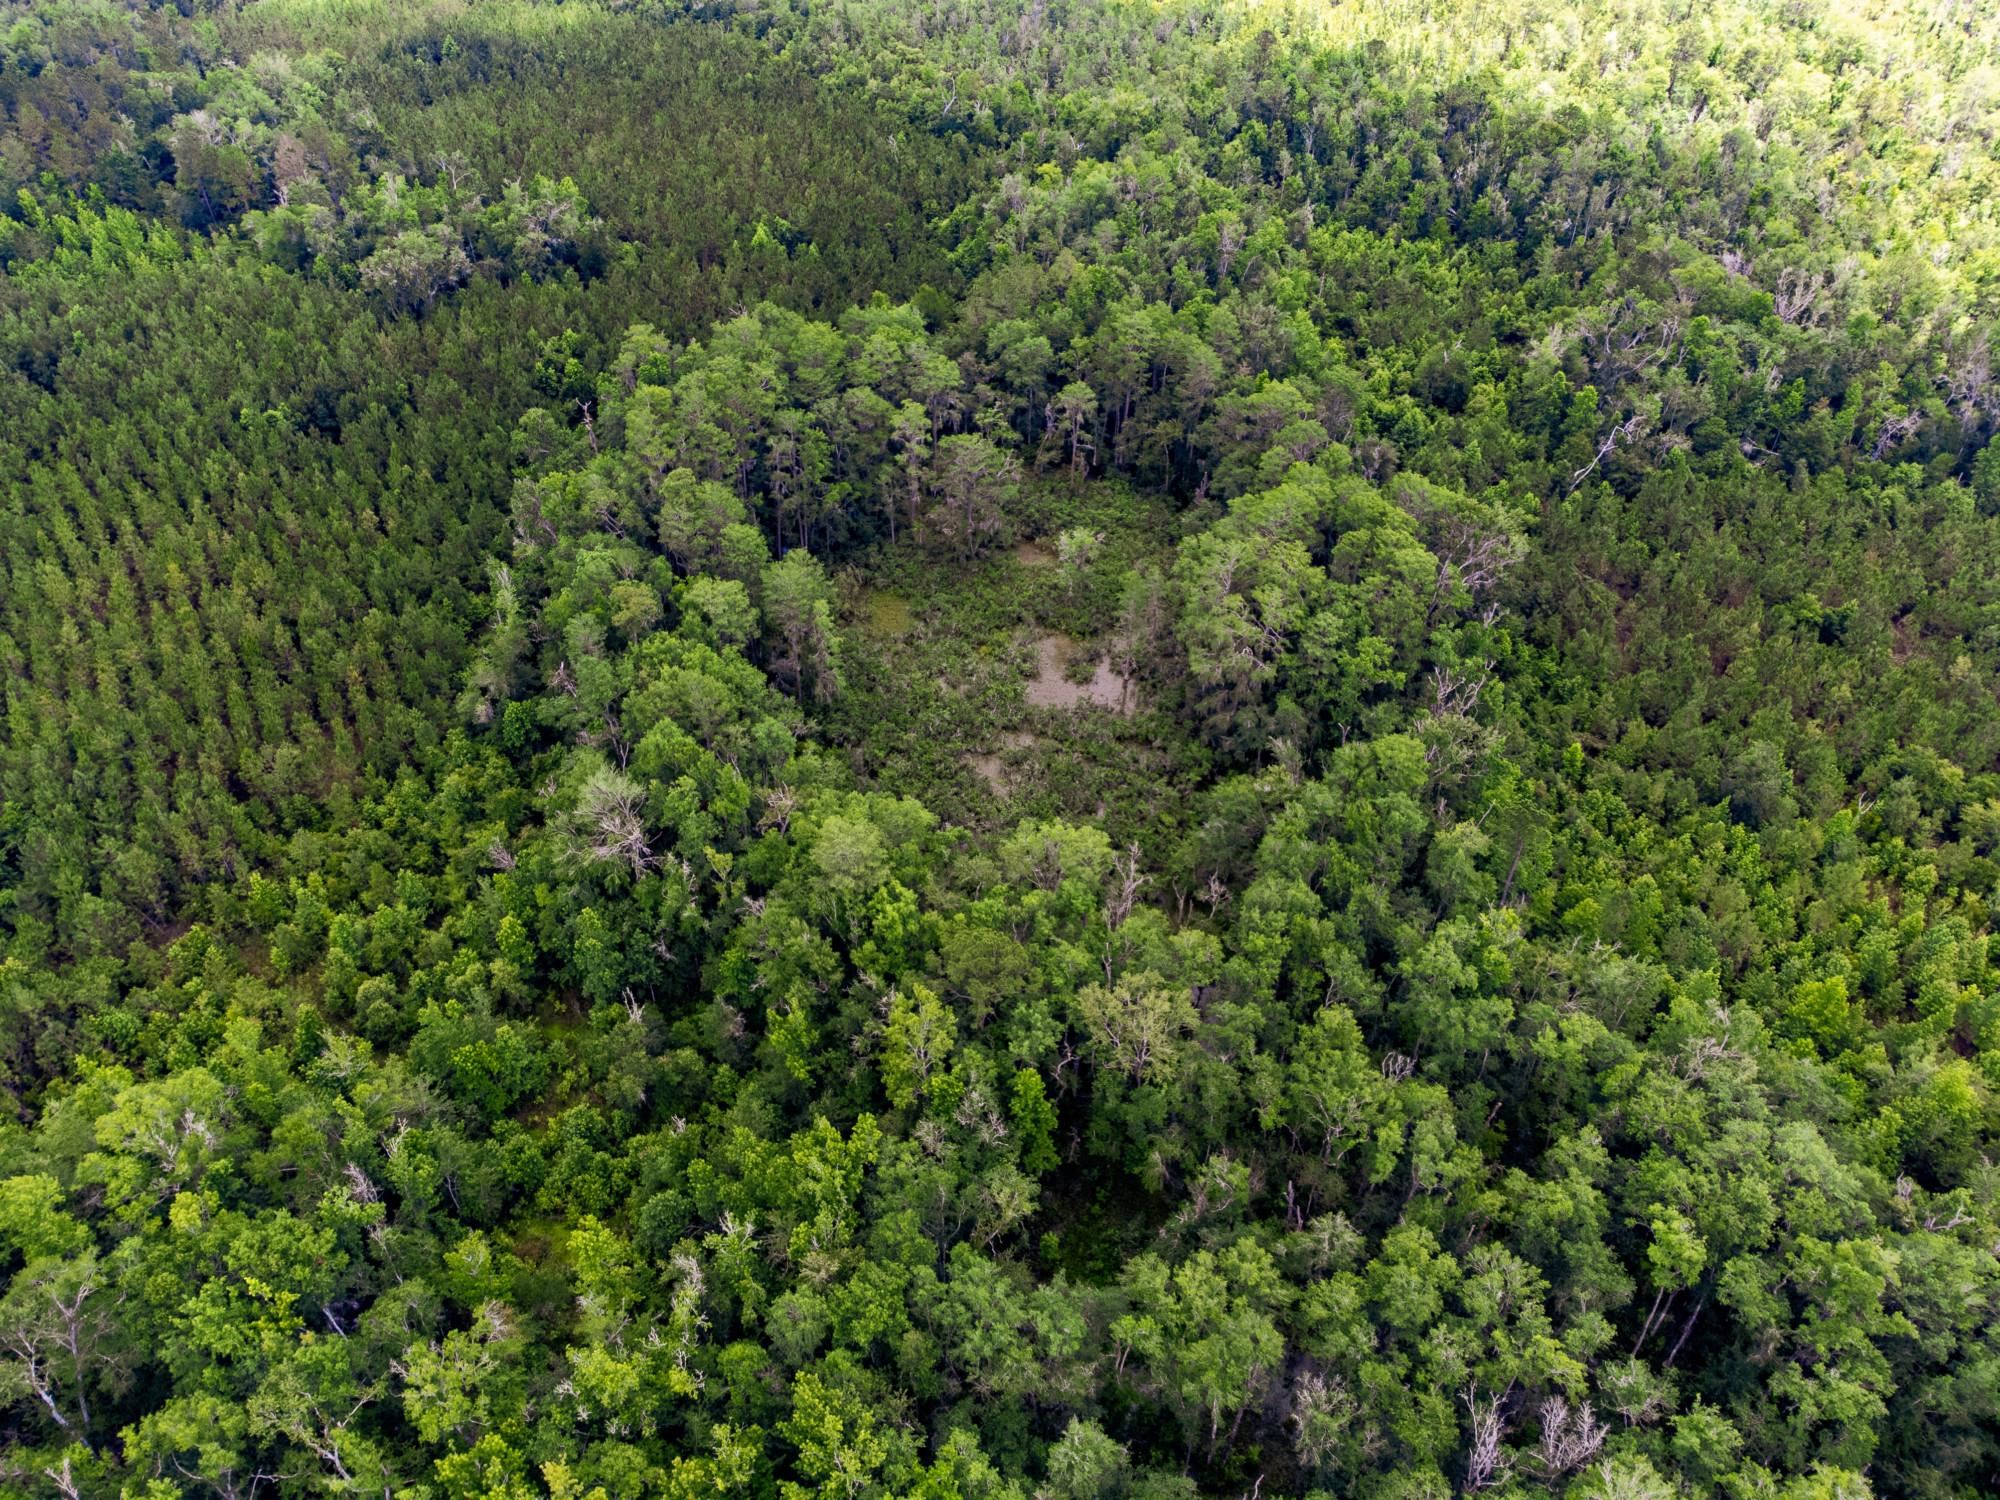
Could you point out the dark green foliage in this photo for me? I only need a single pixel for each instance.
(992, 751)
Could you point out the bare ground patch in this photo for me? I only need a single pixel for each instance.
(1053, 686)
(993, 766)
(1034, 555)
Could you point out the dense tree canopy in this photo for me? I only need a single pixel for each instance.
(999, 750)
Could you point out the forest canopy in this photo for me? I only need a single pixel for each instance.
(999, 749)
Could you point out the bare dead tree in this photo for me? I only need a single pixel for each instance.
(59, 1321)
(1628, 341)
(1570, 1437)
(453, 167)
(1130, 881)
(531, 526)
(1969, 380)
(1216, 894)
(1321, 1408)
(1457, 692)
(1798, 293)
(779, 805)
(1894, 431)
(611, 827)
(1474, 558)
(1620, 433)
(1453, 738)
(1486, 1461)
(361, 1186)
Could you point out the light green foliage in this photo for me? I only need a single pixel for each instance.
(917, 1041)
(1205, 1331)
(1139, 1026)
(1052, 854)
(840, 1451)
(575, 921)
(33, 1221)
